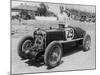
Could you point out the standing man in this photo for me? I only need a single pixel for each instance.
(62, 18)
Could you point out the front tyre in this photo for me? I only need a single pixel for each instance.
(53, 54)
(86, 42)
(24, 45)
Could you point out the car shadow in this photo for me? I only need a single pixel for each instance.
(40, 62)
(36, 63)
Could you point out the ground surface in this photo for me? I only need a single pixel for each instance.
(74, 61)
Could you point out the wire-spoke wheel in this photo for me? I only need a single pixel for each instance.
(24, 47)
(87, 43)
(53, 54)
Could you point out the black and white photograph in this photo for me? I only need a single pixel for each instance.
(52, 37)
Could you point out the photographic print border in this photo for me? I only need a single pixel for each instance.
(51, 71)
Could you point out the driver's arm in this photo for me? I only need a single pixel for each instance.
(57, 17)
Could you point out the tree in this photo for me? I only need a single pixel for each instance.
(43, 10)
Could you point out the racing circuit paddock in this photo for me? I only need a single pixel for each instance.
(75, 60)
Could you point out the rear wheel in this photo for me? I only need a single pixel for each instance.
(86, 42)
(53, 54)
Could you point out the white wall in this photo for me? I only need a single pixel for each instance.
(46, 18)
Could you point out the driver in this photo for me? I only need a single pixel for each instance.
(62, 18)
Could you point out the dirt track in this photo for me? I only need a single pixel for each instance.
(74, 61)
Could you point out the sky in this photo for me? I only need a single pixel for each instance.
(54, 7)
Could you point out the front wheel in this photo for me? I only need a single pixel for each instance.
(53, 54)
(24, 45)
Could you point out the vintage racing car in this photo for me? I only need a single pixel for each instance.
(51, 43)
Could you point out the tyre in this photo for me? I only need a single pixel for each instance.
(86, 42)
(53, 54)
(24, 45)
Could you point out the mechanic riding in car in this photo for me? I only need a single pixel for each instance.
(62, 17)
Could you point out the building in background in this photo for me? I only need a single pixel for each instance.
(24, 11)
